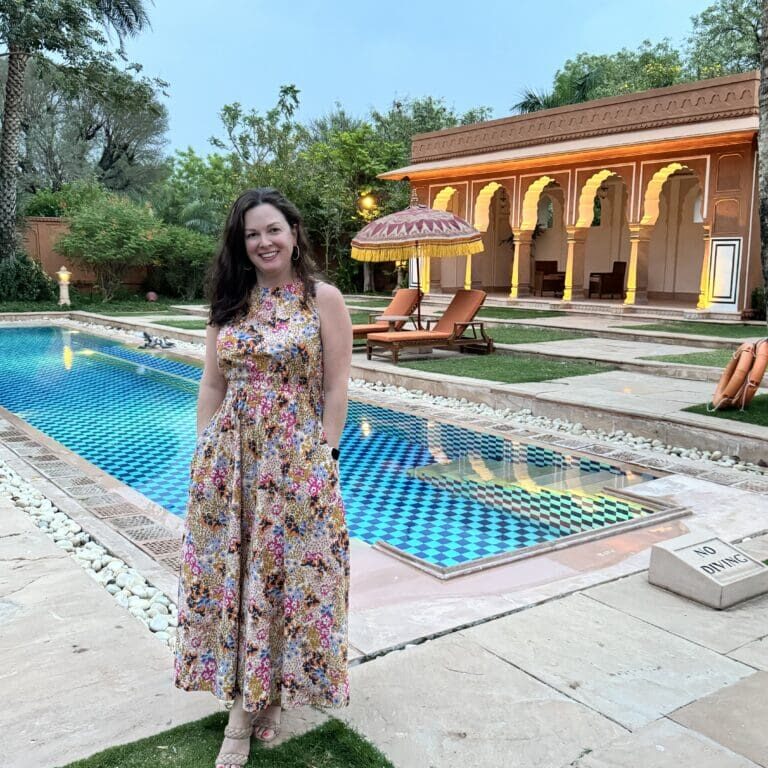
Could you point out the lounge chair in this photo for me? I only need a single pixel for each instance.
(608, 282)
(450, 331)
(403, 303)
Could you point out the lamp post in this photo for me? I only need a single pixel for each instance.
(367, 206)
(64, 274)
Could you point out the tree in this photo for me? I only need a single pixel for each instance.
(72, 31)
(590, 76)
(762, 145)
(725, 39)
(111, 235)
(102, 122)
(261, 145)
(197, 192)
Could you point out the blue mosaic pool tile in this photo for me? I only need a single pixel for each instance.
(133, 414)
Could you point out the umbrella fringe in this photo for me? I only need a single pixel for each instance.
(399, 252)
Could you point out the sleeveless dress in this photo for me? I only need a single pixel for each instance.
(263, 586)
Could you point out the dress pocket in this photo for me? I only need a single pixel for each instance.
(208, 430)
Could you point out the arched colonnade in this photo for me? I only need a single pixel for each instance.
(584, 228)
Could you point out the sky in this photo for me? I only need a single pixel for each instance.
(365, 54)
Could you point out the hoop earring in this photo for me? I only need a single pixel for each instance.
(296, 254)
(248, 267)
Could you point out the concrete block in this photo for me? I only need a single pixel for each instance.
(708, 570)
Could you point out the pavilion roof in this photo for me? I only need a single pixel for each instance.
(724, 106)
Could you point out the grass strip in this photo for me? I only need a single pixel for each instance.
(116, 307)
(513, 313)
(526, 334)
(717, 358)
(511, 369)
(755, 413)
(332, 745)
(693, 328)
(187, 325)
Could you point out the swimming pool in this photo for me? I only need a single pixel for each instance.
(437, 491)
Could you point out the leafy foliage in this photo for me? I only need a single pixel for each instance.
(65, 201)
(73, 34)
(22, 279)
(110, 235)
(724, 39)
(99, 121)
(184, 258)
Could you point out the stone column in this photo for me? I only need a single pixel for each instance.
(704, 291)
(468, 272)
(574, 265)
(425, 274)
(521, 264)
(637, 269)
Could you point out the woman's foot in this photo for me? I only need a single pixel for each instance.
(237, 738)
(266, 727)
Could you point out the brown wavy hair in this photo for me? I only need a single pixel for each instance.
(233, 276)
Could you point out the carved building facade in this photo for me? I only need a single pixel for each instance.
(658, 186)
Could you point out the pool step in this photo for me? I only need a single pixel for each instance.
(554, 498)
(479, 471)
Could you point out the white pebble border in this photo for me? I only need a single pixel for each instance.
(129, 588)
(525, 418)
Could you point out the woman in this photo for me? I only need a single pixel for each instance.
(265, 562)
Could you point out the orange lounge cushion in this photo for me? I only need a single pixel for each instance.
(408, 336)
(363, 329)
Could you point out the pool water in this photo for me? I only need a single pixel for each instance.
(439, 492)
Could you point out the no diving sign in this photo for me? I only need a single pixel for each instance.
(722, 561)
(709, 570)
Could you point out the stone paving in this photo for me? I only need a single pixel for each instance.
(567, 660)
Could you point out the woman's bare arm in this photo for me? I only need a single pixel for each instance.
(336, 335)
(213, 385)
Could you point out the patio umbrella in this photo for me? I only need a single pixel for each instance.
(416, 232)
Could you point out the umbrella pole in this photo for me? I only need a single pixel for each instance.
(418, 287)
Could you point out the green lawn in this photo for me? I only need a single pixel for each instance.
(755, 413)
(372, 303)
(511, 369)
(195, 745)
(525, 334)
(726, 331)
(193, 324)
(513, 313)
(117, 307)
(717, 358)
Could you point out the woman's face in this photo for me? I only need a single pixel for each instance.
(269, 242)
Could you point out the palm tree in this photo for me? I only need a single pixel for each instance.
(581, 88)
(71, 32)
(532, 100)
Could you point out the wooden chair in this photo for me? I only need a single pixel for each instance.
(547, 278)
(608, 282)
(403, 303)
(451, 331)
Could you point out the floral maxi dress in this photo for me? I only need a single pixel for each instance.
(263, 587)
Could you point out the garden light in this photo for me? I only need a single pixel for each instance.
(64, 274)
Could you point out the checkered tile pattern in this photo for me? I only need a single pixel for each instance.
(133, 415)
(128, 412)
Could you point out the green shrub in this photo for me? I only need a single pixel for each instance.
(758, 303)
(24, 280)
(184, 257)
(66, 201)
(111, 235)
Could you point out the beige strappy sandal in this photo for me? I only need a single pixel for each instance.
(228, 759)
(266, 728)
